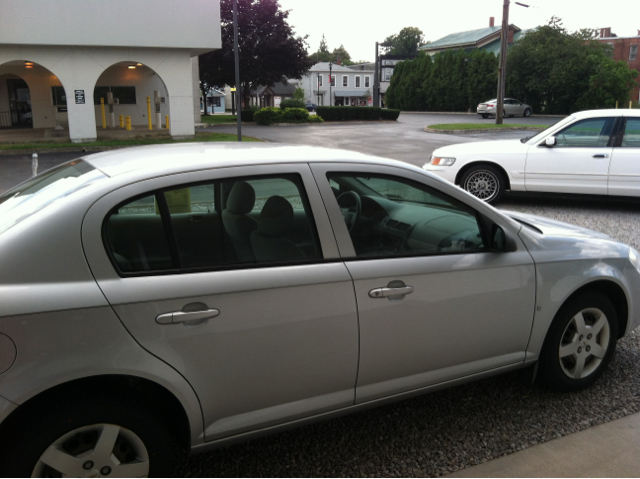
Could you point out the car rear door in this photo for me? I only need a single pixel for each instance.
(624, 172)
(430, 309)
(578, 163)
(262, 341)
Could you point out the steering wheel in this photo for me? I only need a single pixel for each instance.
(350, 213)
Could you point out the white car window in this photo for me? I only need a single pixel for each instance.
(593, 132)
(631, 138)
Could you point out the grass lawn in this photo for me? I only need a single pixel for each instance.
(130, 142)
(480, 126)
(215, 119)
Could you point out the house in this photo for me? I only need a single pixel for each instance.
(338, 85)
(483, 39)
(272, 95)
(624, 49)
(215, 102)
(60, 60)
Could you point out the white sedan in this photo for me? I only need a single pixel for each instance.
(589, 152)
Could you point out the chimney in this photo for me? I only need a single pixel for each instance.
(492, 21)
(605, 32)
(339, 61)
(639, 33)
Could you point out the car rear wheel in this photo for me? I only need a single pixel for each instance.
(484, 115)
(484, 182)
(527, 113)
(580, 343)
(108, 437)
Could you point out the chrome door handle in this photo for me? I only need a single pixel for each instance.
(388, 292)
(602, 155)
(181, 317)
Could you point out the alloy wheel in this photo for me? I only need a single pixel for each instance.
(482, 184)
(584, 343)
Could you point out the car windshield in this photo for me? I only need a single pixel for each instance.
(544, 132)
(45, 189)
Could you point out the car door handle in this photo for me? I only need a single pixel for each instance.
(601, 155)
(389, 292)
(181, 317)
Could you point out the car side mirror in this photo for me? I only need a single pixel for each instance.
(501, 241)
(550, 141)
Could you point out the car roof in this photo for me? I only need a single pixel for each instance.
(172, 158)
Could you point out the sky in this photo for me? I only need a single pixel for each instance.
(359, 24)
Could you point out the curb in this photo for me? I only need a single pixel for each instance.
(356, 122)
(466, 113)
(481, 130)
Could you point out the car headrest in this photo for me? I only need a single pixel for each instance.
(242, 198)
(276, 216)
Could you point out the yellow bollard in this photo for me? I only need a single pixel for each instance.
(630, 103)
(616, 104)
(149, 112)
(127, 120)
(166, 121)
(121, 121)
(104, 118)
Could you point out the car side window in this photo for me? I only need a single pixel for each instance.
(593, 132)
(392, 216)
(222, 224)
(631, 138)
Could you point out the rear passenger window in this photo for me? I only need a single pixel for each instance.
(238, 221)
(631, 138)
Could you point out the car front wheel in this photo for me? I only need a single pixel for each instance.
(580, 343)
(484, 182)
(527, 113)
(108, 437)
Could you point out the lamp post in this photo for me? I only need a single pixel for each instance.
(318, 86)
(502, 69)
(330, 82)
(237, 61)
(376, 79)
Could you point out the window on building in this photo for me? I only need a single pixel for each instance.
(367, 81)
(126, 95)
(633, 53)
(345, 80)
(58, 96)
(333, 80)
(357, 81)
(319, 81)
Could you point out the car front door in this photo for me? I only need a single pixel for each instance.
(624, 172)
(577, 163)
(434, 303)
(233, 277)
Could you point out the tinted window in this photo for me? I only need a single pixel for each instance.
(251, 220)
(631, 136)
(392, 216)
(594, 132)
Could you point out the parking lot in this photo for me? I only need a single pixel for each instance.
(448, 430)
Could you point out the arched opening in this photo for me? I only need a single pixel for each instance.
(31, 97)
(124, 88)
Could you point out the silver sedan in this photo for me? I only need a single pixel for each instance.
(512, 107)
(198, 295)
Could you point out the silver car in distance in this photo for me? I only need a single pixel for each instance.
(199, 294)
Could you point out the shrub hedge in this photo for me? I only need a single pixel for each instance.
(294, 115)
(284, 104)
(267, 116)
(390, 114)
(247, 115)
(346, 113)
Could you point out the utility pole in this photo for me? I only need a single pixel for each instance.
(502, 70)
(237, 60)
(376, 82)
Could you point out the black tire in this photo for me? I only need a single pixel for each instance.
(557, 364)
(23, 446)
(484, 115)
(485, 182)
(527, 113)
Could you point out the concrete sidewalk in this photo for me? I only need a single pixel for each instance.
(607, 450)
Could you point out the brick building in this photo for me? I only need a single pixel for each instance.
(624, 48)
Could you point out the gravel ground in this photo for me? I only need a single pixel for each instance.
(448, 430)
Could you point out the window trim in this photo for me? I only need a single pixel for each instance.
(357, 82)
(633, 51)
(345, 84)
(367, 81)
(320, 82)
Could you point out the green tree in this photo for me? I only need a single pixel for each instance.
(322, 54)
(269, 49)
(341, 54)
(298, 94)
(558, 73)
(406, 42)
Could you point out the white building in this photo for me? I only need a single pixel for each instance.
(348, 87)
(58, 58)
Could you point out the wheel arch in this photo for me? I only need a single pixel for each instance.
(473, 164)
(153, 395)
(614, 293)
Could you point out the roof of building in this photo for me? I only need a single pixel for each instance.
(470, 37)
(278, 88)
(324, 67)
